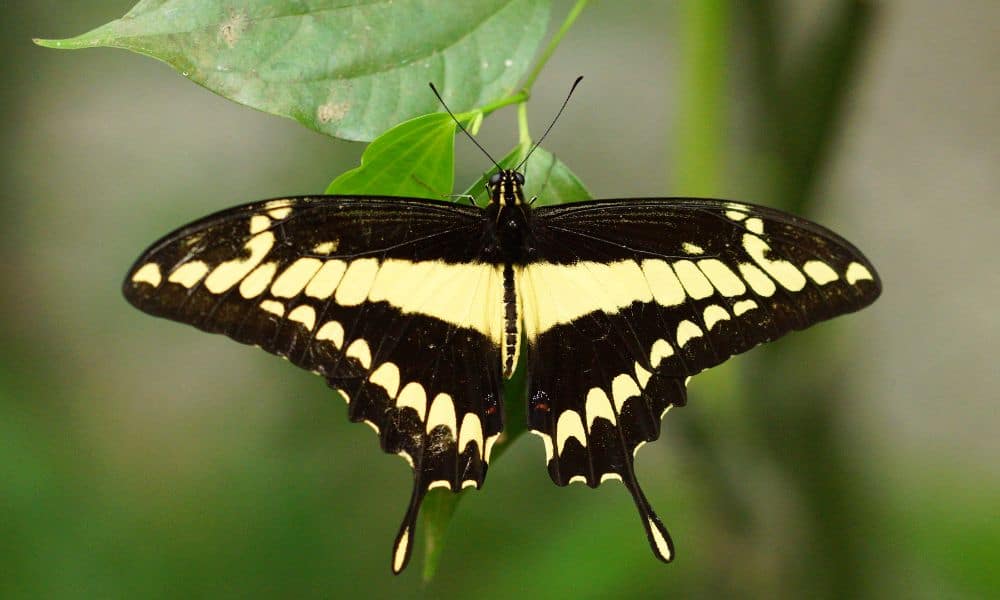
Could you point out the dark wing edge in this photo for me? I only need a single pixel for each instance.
(344, 287)
(649, 293)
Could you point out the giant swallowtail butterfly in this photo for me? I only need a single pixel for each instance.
(417, 310)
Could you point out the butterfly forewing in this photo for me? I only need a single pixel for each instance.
(389, 300)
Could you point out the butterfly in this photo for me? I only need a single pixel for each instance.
(417, 310)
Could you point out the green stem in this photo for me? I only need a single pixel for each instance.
(518, 98)
(701, 127)
(524, 135)
(554, 42)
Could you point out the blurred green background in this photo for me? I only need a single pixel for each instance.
(140, 458)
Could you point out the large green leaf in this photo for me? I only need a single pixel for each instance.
(347, 68)
(415, 158)
(545, 177)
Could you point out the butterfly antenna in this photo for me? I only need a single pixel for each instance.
(460, 126)
(561, 109)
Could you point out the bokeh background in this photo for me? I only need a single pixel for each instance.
(143, 459)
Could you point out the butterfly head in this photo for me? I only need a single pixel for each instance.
(506, 187)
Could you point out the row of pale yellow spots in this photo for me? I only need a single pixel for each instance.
(599, 405)
(413, 396)
(549, 294)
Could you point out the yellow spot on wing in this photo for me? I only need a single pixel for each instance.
(259, 223)
(440, 483)
(359, 350)
(326, 247)
(189, 274)
(357, 281)
(687, 331)
(387, 376)
(148, 273)
(714, 314)
(759, 282)
(470, 432)
(743, 306)
(623, 387)
(293, 279)
(273, 307)
(662, 547)
(399, 556)
(695, 282)
(690, 248)
(280, 213)
(489, 446)
(578, 479)
(642, 375)
(666, 288)
(722, 277)
(755, 225)
(325, 281)
(331, 331)
(229, 273)
(413, 396)
(856, 272)
(257, 281)
(820, 272)
(661, 349)
(598, 406)
(304, 314)
(610, 477)
(569, 425)
(442, 413)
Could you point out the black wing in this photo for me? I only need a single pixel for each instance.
(384, 297)
(629, 298)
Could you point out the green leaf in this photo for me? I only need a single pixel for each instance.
(346, 68)
(415, 158)
(545, 177)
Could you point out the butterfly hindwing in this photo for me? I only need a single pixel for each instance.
(387, 299)
(628, 299)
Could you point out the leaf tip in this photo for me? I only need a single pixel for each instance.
(47, 43)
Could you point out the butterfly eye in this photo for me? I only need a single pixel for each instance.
(520, 178)
(495, 179)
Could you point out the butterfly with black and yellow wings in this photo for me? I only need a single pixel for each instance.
(417, 310)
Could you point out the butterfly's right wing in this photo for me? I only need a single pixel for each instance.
(629, 298)
(384, 297)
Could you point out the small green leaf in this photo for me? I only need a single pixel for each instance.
(546, 177)
(415, 158)
(346, 68)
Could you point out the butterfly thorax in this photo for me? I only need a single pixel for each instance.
(509, 219)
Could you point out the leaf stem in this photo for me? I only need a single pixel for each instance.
(524, 135)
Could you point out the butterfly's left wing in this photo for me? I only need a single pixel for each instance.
(628, 299)
(386, 298)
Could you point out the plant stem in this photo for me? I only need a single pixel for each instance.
(554, 43)
(518, 98)
(524, 135)
(701, 128)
